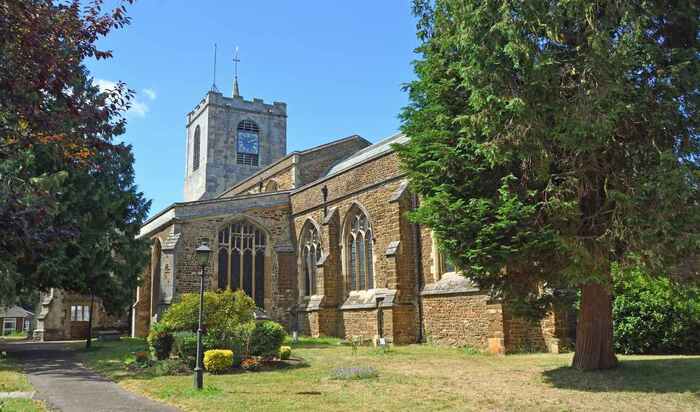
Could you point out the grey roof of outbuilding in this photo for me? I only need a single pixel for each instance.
(15, 312)
(369, 152)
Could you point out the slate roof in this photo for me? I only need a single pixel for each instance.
(381, 147)
(15, 312)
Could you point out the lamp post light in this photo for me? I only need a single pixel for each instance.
(202, 254)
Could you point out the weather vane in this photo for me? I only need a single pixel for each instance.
(236, 60)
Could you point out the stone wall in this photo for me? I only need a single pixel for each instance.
(281, 172)
(314, 163)
(298, 168)
(54, 319)
(218, 117)
(467, 319)
(377, 189)
(547, 335)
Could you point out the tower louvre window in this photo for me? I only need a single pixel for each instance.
(248, 143)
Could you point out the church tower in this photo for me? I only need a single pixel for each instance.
(229, 139)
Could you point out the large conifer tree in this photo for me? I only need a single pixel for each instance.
(552, 138)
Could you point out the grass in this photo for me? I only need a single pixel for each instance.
(423, 378)
(14, 336)
(13, 380)
(21, 405)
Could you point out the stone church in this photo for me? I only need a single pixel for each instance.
(319, 238)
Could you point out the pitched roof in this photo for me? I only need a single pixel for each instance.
(257, 174)
(15, 312)
(381, 147)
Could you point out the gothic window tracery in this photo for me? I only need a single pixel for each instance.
(310, 254)
(242, 259)
(359, 246)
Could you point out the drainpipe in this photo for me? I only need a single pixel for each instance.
(419, 269)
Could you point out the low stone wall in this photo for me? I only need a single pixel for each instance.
(463, 320)
(547, 335)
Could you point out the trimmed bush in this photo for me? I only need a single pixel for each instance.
(655, 315)
(266, 339)
(285, 352)
(218, 360)
(160, 340)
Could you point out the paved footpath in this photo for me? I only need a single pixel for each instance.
(65, 385)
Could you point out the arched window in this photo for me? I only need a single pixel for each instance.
(248, 143)
(195, 150)
(358, 240)
(310, 253)
(242, 260)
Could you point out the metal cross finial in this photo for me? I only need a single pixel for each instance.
(236, 60)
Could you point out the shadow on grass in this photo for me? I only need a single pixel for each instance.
(658, 375)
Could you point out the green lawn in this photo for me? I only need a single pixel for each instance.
(13, 380)
(421, 377)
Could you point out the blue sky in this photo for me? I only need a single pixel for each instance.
(338, 65)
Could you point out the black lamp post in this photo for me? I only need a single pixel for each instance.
(202, 254)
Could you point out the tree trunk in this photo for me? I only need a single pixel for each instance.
(594, 330)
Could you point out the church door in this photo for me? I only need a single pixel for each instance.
(242, 260)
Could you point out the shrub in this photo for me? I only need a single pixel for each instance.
(160, 340)
(218, 360)
(654, 315)
(223, 311)
(138, 360)
(266, 339)
(141, 356)
(185, 346)
(251, 364)
(354, 373)
(285, 352)
(170, 367)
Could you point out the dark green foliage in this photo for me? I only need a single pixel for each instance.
(172, 367)
(160, 340)
(228, 319)
(266, 339)
(69, 208)
(185, 346)
(655, 315)
(551, 138)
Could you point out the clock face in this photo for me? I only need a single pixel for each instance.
(247, 142)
